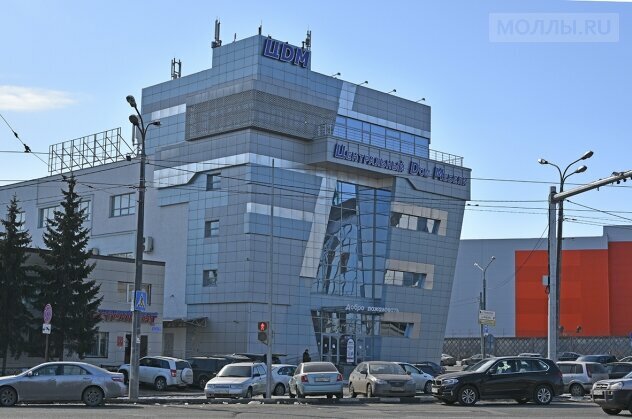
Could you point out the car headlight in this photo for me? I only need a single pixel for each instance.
(235, 386)
(616, 386)
(449, 381)
(378, 381)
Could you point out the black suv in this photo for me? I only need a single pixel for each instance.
(518, 378)
(206, 367)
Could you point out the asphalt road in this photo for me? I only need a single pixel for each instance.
(256, 410)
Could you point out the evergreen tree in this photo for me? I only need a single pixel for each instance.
(63, 279)
(16, 291)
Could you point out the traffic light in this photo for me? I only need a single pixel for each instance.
(262, 328)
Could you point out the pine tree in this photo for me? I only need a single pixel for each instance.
(16, 290)
(64, 283)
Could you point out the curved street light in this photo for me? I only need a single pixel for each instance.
(137, 121)
(554, 328)
(484, 300)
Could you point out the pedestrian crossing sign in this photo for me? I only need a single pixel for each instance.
(140, 302)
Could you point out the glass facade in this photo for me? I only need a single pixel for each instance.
(379, 136)
(353, 257)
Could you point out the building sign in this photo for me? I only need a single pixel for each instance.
(370, 309)
(285, 52)
(414, 168)
(126, 316)
(350, 351)
(487, 317)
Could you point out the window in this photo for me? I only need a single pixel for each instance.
(20, 217)
(46, 214)
(126, 255)
(212, 182)
(405, 279)
(395, 329)
(209, 277)
(126, 291)
(211, 228)
(87, 207)
(412, 222)
(124, 204)
(99, 347)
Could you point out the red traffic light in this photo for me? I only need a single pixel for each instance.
(262, 326)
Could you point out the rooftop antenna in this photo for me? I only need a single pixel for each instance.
(176, 69)
(308, 40)
(260, 28)
(235, 37)
(217, 42)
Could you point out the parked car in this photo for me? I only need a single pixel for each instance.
(568, 356)
(161, 372)
(626, 359)
(241, 379)
(602, 359)
(423, 380)
(475, 358)
(260, 357)
(430, 367)
(62, 381)
(381, 378)
(618, 369)
(519, 378)
(315, 379)
(613, 396)
(579, 377)
(281, 374)
(448, 360)
(206, 367)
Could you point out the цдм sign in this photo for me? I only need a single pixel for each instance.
(285, 52)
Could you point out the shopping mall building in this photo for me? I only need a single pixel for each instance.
(366, 217)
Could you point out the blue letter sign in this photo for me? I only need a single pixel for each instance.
(285, 52)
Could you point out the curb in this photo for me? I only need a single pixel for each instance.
(316, 401)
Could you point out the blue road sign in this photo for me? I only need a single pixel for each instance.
(140, 301)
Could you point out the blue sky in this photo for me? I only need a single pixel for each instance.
(68, 65)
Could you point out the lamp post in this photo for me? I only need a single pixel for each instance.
(555, 257)
(137, 121)
(484, 300)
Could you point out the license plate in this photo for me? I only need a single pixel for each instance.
(435, 390)
(322, 379)
(397, 389)
(597, 392)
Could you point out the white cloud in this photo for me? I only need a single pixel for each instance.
(17, 98)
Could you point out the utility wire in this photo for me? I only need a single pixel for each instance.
(27, 149)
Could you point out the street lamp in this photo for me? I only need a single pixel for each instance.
(137, 121)
(484, 301)
(554, 280)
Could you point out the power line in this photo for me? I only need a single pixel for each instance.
(27, 149)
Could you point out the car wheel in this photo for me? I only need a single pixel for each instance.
(577, 390)
(611, 411)
(92, 396)
(352, 391)
(467, 396)
(279, 389)
(522, 401)
(249, 393)
(202, 381)
(542, 394)
(8, 396)
(369, 391)
(160, 384)
(428, 387)
(340, 395)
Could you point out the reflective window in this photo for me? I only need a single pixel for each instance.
(405, 279)
(209, 277)
(395, 329)
(212, 182)
(124, 204)
(46, 214)
(211, 228)
(412, 222)
(99, 347)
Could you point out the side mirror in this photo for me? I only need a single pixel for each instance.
(256, 374)
(29, 374)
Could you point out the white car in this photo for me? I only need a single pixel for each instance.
(241, 379)
(423, 380)
(161, 372)
(281, 374)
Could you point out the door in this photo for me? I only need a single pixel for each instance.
(143, 347)
(41, 385)
(261, 381)
(502, 380)
(71, 383)
(330, 348)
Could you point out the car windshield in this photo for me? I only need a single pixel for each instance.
(482, 365)
(386, 369)
(628, 375)
(319, 367)
(236, 371)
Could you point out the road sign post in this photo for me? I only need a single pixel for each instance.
(46, 328)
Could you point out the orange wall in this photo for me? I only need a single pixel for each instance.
(620, 262)
(585, 294)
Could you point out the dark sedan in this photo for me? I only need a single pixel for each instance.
(62, 381)
(518, 378)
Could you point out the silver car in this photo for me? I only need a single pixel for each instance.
(316, 379)
(281, 374)
(579, 377)
(423, 380)
(380, 378)
(62, 381)
(241, 379)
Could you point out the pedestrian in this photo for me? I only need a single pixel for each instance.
(306, 357)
